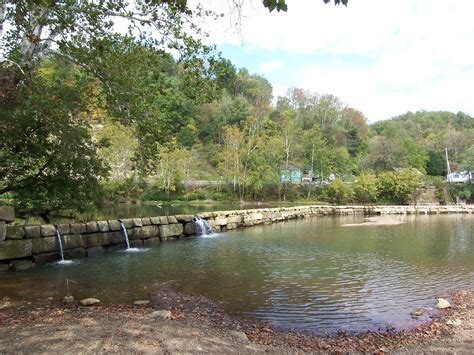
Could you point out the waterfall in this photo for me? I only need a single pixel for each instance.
(127, 242)
(125, 234)
(61, 250)
(202, 227)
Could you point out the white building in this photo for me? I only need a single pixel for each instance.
(461, 177)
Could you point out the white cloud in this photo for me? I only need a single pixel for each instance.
(417, 54)
(270, 66)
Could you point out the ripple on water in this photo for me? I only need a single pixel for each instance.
(312, 274)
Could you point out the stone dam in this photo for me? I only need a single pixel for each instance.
(24, 246)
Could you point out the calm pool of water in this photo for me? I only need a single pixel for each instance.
(309, 274)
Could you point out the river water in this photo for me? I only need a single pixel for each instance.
(312, 274)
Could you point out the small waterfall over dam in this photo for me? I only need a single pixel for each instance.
(127, 241)
(203, 227)
(61, 250)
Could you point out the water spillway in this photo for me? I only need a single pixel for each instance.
(202, 227)
(61, 261)
(125, 235)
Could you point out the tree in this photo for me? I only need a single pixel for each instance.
(256, 89)
(120, 150)
(385, 154)
(48, 160)
(82, 34)
(468, 160)
(231, 164)
(436, 164)
(281, 5)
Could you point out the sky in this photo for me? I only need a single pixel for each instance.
(382, 57)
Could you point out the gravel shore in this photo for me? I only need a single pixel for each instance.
(196, 324)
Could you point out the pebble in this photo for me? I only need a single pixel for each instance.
(454, 322)
(443, 303)
(240, 335)
(417, 313)
(89, 301)
(161, 314)
(68, 299)
(141, 303)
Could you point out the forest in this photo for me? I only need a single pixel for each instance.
(93, 115)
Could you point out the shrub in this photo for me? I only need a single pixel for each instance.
(398, 186)
(339, 192)
(366, 188)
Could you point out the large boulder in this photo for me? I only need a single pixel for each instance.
(128, 222)
(184, 218)
(221, 221)
(89, 301)
(171, 230)
(114, 225)
(77, 228)
(145, 232)
(146, 221)
(15, 249)
(103, 226)
(92, 227)
(442, 303)
(15, 232)
(94, 239)
(3, 231)
(190, 228)
(72, 241)
(163, 220)
(64, 228)
(172, 219)
(43, 245)
(48, 230)
(7, 214)
(32, 231)
(137, 222)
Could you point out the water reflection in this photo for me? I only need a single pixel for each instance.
(309, 274)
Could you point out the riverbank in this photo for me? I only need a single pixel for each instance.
(196, 324)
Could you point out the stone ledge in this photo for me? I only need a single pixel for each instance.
(39, 242)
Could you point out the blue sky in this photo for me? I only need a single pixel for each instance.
(382, 57)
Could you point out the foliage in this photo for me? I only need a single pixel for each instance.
(366, 188)
(281, 5)
(467, 163)
(436, 164)
(463, 191)
(124, 189)
(48, 160)
(339, 192)
(398, 186)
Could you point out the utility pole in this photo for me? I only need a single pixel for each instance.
(448, 168)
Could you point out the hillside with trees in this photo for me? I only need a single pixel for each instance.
(91, 114)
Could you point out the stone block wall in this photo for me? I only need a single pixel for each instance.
(24, 246)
